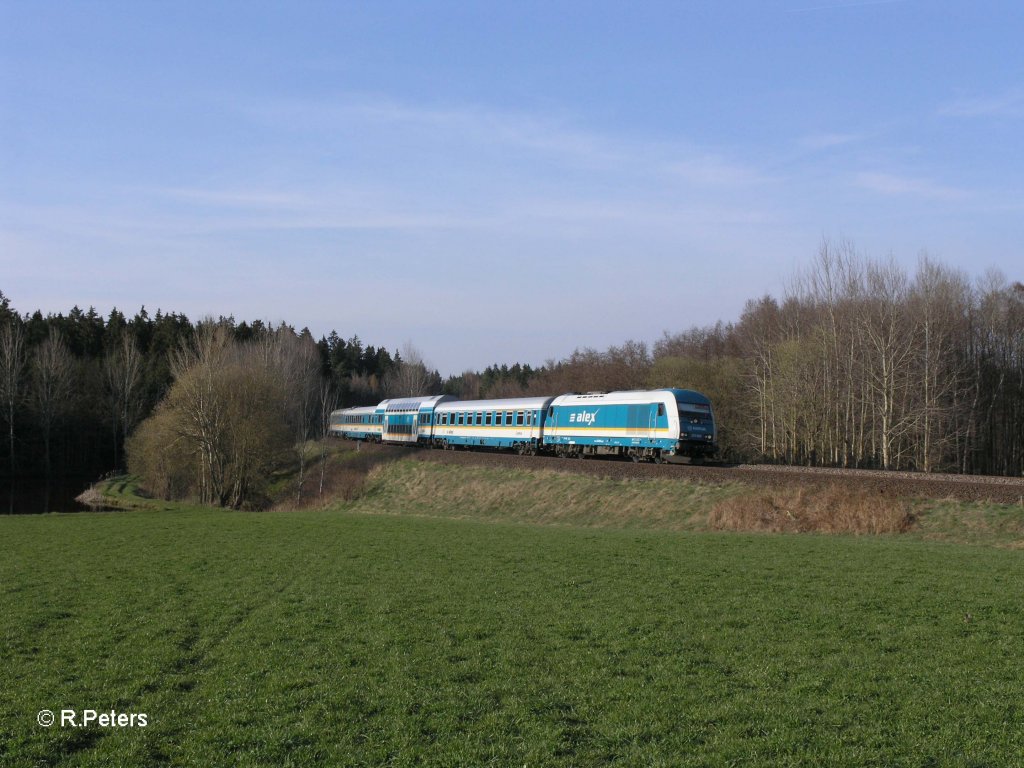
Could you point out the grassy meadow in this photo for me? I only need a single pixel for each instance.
(498, 631)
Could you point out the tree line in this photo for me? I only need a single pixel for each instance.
(75, 387)
(858, 364)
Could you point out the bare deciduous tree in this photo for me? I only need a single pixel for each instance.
(12, 369)
(327, 400)
(410, 376)
(122, 374)
(52, 381)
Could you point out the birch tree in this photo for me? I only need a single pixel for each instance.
(51, 391)
(122, 375)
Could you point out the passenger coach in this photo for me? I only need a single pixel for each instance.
(364, 423)
(516, 423)
(408, 421)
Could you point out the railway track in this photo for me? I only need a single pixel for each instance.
(1003, 490)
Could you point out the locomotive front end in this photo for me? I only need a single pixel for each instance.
(698, 436)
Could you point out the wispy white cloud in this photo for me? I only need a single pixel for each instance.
(715, 171)
(841, 4)
(896, 185)
(552, 138)
(232, 198)
(1009, 103)
(464, 124)
(819, 141)
(279, 208)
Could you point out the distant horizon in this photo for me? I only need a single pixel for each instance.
(974, 278)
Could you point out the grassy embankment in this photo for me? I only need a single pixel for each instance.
(381, 485)
(344, 636)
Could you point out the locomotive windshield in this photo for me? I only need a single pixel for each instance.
(694, 413)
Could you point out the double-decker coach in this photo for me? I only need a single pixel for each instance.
(408, 421)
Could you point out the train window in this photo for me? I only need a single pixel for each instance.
(661, 409)
(487, 419)
(519, 418)
(508, 417)
(551, 412)
(461, 419)
(529, 418)
(479, 418)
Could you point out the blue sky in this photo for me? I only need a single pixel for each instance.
(496, 182)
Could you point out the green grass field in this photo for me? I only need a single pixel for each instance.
(338, 637)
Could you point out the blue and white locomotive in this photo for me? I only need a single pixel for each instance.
(647, 425)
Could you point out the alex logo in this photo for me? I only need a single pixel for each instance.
(584, 417)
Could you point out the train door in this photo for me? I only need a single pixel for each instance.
(655, 410)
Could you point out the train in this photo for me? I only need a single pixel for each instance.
(643, 425)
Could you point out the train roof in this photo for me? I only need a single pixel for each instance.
(689, 396)
(359, 409)
(412, 403)
(633, 396)
(511, 403)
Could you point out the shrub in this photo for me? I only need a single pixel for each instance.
(814, 509)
